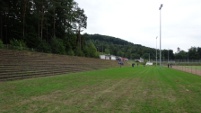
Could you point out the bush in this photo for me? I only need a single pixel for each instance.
(90, 50)
(33, 41)
(70, 52)
(1, 44)
(79, 52)
(18, 44)
(58, 46)
(43, 46)
(68, 48)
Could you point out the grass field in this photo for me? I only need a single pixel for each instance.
(194, 67)
(136, 90)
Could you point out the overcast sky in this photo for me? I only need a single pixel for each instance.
(137, 21)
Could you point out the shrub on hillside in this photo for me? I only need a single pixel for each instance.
(43, 46)
(57, 46)
(70, 52)
(90, 50)
(18, 44)
(79, 52)
(68, 48)
(1, 44)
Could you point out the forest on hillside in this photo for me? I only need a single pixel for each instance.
(52, 26)
(119, 47)
(55, 26)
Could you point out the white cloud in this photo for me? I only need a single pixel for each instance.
(137, 21)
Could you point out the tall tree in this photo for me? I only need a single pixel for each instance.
(80, 23)
(24, 10)
(193, 53)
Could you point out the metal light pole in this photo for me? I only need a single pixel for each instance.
(156, 51)
(168, 56)
(149, 57)
(160, 31)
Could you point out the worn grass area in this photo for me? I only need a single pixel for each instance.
(139, 89)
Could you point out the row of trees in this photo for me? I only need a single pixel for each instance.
(45, 25)
(119, 47)
(56, 25)
(194, 53)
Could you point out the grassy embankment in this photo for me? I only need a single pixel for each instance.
(139, 89)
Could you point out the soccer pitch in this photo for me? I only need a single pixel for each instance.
(140, 89)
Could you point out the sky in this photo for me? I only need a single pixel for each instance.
(138, 21)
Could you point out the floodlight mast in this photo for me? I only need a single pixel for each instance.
(156, 50)
(160, 31)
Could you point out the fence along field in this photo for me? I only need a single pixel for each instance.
(190, 66)
(139, 89)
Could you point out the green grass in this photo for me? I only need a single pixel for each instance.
(194, 67)
(116, 90)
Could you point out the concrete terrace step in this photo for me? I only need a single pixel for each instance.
(24, 64)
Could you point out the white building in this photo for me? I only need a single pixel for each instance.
(102, 57)
(149, 63)
(140, 60)
(108, 57)
(113, 57)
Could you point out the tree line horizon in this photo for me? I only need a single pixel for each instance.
(119, 47)
(55, 26)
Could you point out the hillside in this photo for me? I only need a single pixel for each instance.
(24, 64)
(119, 47)
(56, 28)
